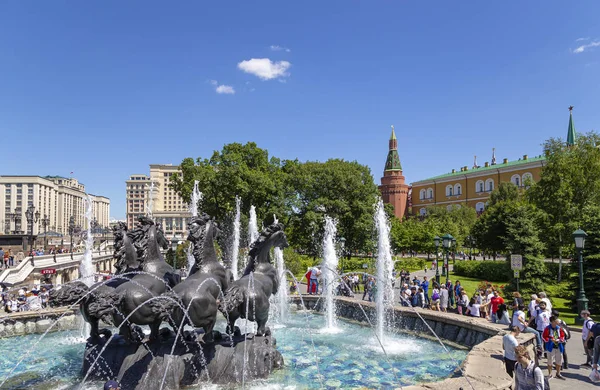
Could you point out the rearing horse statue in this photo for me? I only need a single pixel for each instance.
(259, 281)
(199, 292)
(133, 296)
(127, 260)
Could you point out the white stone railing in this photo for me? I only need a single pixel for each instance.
(19, 273)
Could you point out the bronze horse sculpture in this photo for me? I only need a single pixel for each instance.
(248, 297)
(132, 298)
(199, 292)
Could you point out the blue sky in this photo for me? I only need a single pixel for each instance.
(105, 88)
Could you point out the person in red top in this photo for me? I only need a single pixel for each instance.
(554, 338)
(495, 301)
(307, 276)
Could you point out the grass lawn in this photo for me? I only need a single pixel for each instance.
(469, 284)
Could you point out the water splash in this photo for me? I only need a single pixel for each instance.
(330, 263)
(235, 250)
(195, 198)
(252, 226)
(282, 292)
(384, 296)
(150, 204)
(86, 268)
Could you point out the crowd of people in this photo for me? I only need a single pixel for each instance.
(24, 299)
(10, 259)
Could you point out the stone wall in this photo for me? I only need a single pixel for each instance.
(19, 324)
(483, 367)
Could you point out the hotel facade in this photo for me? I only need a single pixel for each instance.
(151, 194)
(56, 199)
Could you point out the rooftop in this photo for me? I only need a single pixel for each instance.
(514, 163)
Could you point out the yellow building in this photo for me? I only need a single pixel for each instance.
(472, 187)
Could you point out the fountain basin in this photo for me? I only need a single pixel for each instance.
(483, 366)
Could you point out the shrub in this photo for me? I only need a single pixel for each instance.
(485, 270)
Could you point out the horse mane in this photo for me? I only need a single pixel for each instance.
(197, 236)
(258, 245)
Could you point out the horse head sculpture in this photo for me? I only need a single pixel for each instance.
(259, 282)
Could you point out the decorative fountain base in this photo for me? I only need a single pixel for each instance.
(143, 366)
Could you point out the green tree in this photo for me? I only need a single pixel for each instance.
(341, 189)
(240, 170)
(569, 185)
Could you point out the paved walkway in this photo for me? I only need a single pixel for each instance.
(576, 375)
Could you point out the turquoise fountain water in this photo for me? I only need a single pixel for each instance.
(351, 358)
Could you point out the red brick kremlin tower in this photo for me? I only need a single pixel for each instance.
(393, 188)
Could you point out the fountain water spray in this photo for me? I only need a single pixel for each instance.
(235, 250)
(86, 268)
(384, 296)
(330, 263)
(196, 197)
(252, 229)
(252, 226)
(282, 294)
(150, 205)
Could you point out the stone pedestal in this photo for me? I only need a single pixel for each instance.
(145, 366)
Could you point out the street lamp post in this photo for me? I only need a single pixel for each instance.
(32, 217)
(45, 222)
(436, 242)
(71, 231)
(454, 251)
(446, 242)
(582, 301)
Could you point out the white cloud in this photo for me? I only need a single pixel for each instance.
(279, 48)
(582, 39)
(583, 48)
(213, 82)
(264, 68)
(225, 89)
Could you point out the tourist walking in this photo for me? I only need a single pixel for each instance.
(588, 323)
(563, 325)
(554, 338)
(509, 343)
(527, 375)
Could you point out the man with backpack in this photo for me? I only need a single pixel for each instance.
(588, 323)
(528, 376)
(554, 338)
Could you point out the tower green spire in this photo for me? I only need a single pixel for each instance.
(571, 134)
(393, 160)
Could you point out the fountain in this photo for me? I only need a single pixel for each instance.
(329, 272)
(86, 268)
(195, 198)
(235, 250)
(384, 297)
(147, 291)
(282, 298)
(150, 205)
(252, 226)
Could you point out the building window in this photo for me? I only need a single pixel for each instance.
(423, 211)
(429, 193)
(457, 189)
(516, 180)
(489, 185)
(479, 186)
(527, 179)
(449, 207)
(422, 194)
(449, 190)
(479, 207)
